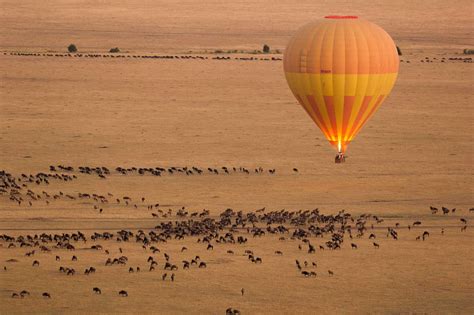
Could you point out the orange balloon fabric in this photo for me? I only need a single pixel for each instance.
(341, 69)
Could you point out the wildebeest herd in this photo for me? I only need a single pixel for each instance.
(310, 230)
(198, 57)
(140, 57)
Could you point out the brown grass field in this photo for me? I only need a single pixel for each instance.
(416, 152)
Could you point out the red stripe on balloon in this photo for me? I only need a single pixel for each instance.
(362, 109)
(372, 111)
(329, 100)
(348, 104)
(315, 107)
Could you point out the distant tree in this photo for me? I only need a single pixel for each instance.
(114, 50)
(266, 48)
(72, 48)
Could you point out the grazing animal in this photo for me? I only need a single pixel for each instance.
(425, 235)
(376, 245)
(242, 291)
(123, 293)
(353, 246)
(97, 290)
(24, 293)
(36, 263)
(46, 295)
(172, 277)
(231, 311)
(331, 273)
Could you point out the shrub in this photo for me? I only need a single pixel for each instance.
(114, 50)
(266, 48)
(72, 48)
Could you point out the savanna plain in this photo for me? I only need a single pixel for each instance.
(188, 143)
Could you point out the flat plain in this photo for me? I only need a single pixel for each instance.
(209, 112)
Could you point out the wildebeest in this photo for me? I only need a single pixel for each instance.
(425, 235)
(123, 293)
(24, 293)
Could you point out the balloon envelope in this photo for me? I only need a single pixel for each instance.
(341, 69)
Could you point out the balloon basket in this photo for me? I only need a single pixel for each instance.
(340, 158)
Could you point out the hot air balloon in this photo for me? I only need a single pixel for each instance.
(341, 69)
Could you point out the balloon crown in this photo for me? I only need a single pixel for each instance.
(341, 17)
